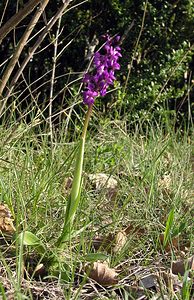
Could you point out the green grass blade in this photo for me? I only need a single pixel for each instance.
(168, 228)
(2, 292)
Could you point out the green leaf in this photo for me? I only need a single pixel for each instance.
(74, 199)
(168, 228)
(2, 292)
(179, 229)
(77, 175)
(28, 238)
(74, 233)
(72, 208)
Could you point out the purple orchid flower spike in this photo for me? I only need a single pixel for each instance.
(105, 63)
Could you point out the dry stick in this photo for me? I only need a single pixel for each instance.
(17, 18)
(6, 60)
(32, 50)
(52, 81)
(4, 10)
(189, 89)
(35, 90)
(20, 46)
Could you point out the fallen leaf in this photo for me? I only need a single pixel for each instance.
(103, 181)
(165, 182)
(67, 185)
(111, 243)
(148, 281)
(6, 221)
(101, 273)
(104, 242)
(180, 266)
(134, 229)
(119, 241)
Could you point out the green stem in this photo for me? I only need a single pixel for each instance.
(88, 114)
(74, 198)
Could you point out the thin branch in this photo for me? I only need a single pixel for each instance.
(32, 50)
(18, 96)
(21, 45)
(53, 79)
(17, 18)
(3, 14)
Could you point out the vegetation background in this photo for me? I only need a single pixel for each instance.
(156, 77)
(135, 215)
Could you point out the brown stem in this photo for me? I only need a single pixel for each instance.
(21, 45)
(17, 18)
(32, 50)
(53, 80)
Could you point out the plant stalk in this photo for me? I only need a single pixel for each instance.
(88, 114)
(74, 199)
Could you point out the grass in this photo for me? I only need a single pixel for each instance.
(155, 189)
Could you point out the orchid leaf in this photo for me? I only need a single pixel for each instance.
(28, 238)
(74, 198)
(169, 225)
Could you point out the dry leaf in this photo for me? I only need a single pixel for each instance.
(120, 241)
(134, 229)
(101, 273)
(148, 281)
(111, 243)
(180, 266)
(165, 182)
(67, 185)
(6, 221)
(102, 181)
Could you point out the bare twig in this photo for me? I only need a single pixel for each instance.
(21, 45)
(17, 18)
(32, 50)
(4, 10)
(53, 79)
